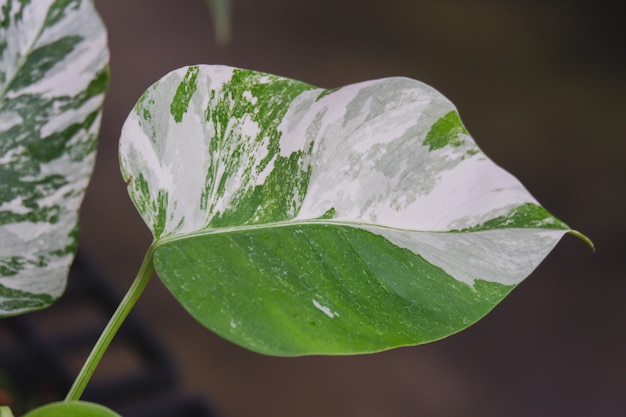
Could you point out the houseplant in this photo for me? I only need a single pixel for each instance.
(304, 147)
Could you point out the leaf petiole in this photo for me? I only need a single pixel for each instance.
(114, 324)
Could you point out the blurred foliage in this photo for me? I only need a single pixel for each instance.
(221, 14)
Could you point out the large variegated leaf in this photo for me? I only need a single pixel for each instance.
(53, 73)
(295, 220)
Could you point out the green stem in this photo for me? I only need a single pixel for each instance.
(114, 324)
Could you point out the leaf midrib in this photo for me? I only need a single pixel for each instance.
(356, 225)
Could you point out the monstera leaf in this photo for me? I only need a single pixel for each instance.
(295, 220)
(53, 73)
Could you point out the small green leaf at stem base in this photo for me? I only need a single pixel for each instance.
(5, 411)
(72, 409)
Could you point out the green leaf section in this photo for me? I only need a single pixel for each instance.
(447, 131)
(12, 299)
(185, 90)
(317, 289)
(144, 203)
(526, 216)
(262, 99)
(42, 59)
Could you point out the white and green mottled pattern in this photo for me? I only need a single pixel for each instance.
(53, 74)
(296, 220)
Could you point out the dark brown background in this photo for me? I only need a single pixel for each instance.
(540, 86)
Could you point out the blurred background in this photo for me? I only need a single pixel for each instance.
(541, 86)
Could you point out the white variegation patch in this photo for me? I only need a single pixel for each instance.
(502, 256)
(324, 309)
(379, 168)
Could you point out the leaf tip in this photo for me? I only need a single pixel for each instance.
(584, 239)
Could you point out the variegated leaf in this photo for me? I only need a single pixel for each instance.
(295, 220)
(53, 74)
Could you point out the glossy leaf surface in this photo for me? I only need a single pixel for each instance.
(53, 74)
(296, 220)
